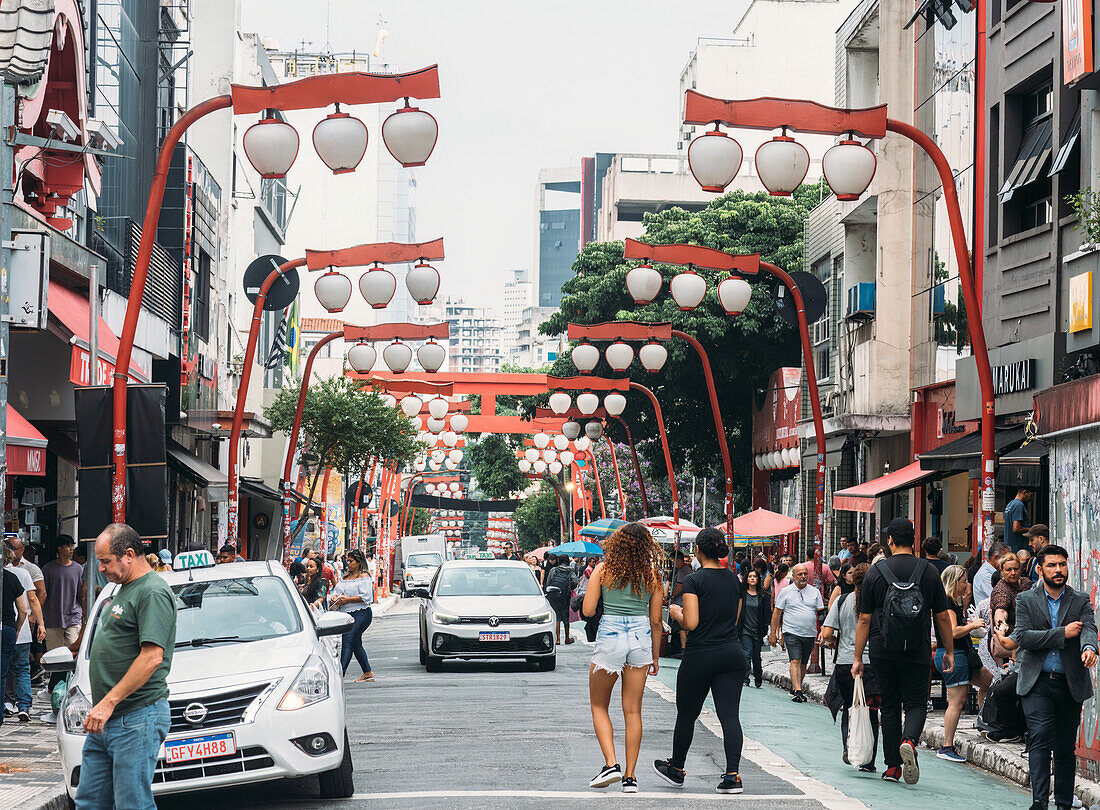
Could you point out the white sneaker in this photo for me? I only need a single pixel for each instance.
(48, 717)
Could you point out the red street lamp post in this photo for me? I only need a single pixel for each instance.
(637, 466)
(271, 146)
(849, 174)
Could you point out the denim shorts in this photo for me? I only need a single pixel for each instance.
(960, 675)
(623, 641)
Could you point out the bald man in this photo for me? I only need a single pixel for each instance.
(796, 612)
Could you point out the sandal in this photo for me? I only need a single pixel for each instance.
(366, 676)
(570, 640)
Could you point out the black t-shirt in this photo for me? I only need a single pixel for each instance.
(938, 564)
(719, 594)
(13, 589)
(963, 642)
(873, 592)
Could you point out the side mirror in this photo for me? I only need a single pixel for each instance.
(59, 659)
(421, 593)
(334, 623)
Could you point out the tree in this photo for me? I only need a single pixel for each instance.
(538, 522)
(494, 465)
(743, 351)
(342, 427)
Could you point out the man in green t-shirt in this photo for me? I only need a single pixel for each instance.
(131, 655)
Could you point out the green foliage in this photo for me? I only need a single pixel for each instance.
(420, 521)
(538, 522)
(494, 465)
(1086, 205)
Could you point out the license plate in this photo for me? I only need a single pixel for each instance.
(212, 745)
(492, 636)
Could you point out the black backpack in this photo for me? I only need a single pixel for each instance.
(903, 610)
(561, 579)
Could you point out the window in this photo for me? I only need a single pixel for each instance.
(1026, 190)
(200, 292)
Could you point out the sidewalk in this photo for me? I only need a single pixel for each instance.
(30, 765)
(1003, 760)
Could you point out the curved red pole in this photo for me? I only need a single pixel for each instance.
(137, 293)
(599, 486)
(973, 320)
(637, 467)
(664, 446)
(618, 480)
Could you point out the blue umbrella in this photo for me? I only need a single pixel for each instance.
(578, 548)
(604, 527)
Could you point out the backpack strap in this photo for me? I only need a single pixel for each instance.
(887, 572)
(915, 577)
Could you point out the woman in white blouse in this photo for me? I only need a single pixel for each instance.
(354, 595)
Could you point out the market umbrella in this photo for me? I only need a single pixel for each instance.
(540, 552)
(604, 527)
(579, 548)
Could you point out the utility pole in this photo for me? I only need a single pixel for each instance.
(7, 172)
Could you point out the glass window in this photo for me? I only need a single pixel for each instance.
(496, 580)
(424, 560)
(251, 608)
(200, 295)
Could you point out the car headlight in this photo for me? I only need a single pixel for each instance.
(541, 618)
(74, 708)
(444, 618)
(310, 686)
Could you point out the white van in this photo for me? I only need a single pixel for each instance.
(420, 556)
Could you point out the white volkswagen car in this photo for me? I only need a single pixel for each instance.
(254, 690)
(485, 609)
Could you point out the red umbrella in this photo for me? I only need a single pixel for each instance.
(539, 553)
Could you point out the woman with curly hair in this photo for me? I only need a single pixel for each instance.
(628, 583)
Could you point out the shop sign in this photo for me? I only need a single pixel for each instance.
(80, 366)
(1076, 39)
(1080, 302)
(947, 425)
(1014, 377)
(26, 460)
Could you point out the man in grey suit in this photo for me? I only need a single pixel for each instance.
(1056, 631)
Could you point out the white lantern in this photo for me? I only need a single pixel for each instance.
(450, 438)
(438, 455)
(758, 462)
(734, 294)
(434, 465)
(587, 403)
(397, 356)
(554, 467)
(531, 454)
(560, 442)
(410, 135)
(585, 357)
(459, 422)
(777, 460)
(848, 168)
(766, 460)
(571, 429)
(560, 402)
(688, 289)
(450, 465)
(454, 486)
(361, 357)
(271, 146)
(781, 165)
(419, 465)
(333, 290)
(429, 488)
(524, 465)
(714, 160)
(583, 443)
(435, 425)
(614, 403)
(389, 400)
(643, 283)
(437, 407)
(619, 355)
(567, 457)
(542, 441)
(340, 141)
(539, 466)
(410, 406)
(548, 456)
(422, 282)
(455, 455)
(653, 356)
(431, 356)
(377, 286)
(594, 431)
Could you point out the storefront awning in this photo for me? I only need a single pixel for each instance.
(258, 489)
(199, 472)
(26, 447)
(73, 311)
(1024, 466)
(965, 453)
(862, 497)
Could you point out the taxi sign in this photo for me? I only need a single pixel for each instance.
(485, 555)
(193, 559)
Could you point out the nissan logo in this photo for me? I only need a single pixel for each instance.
(195, 713)
(493, 621)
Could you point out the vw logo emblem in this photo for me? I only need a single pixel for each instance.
(493, 621)
(195, 713)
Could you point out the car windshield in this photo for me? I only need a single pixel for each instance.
(424, 561)
(243, 609)
(488, 580)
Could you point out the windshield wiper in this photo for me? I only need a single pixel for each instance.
(203, 640)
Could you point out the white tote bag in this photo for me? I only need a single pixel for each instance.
(861, 741)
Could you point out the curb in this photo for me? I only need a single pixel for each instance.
(50, 799)
(1001, 760)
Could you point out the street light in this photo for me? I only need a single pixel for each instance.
(431, 356)
(688, 289)
(614, 403)
(714, 160)
(849, 168)
(588, 402)
(571, 429)
(410, 135)
(410, 404)
(377, 286)
(397, 356)
(361, 357)
(422, 282)
(620, 355)
(652, 356)
(438, 407)
(340, 140)
(643, 283)
(333, 290)
(560, 402)
(781, 164)
(271, 145)
(594, 431)
(585, 357)
(459, 422)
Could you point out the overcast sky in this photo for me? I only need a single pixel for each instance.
(525, 86)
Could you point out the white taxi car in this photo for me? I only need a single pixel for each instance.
(254, 690)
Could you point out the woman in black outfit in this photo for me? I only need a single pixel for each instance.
(756, 615)
(714, 660)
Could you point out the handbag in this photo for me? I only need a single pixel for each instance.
(860, 737)
(592, 623)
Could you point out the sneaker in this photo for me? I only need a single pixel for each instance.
(24, 716)
(950, 754)
(994, 737)
(630, 784)
(665, 769)
(909, 770)
(731, 783)
(757, 684)
(799, 697)
(868, 767)
(608, 776)
(48, 717)
(893, 774)
(844, 757)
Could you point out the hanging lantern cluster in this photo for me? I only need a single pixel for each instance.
(619, 356)
(377, 286)
(777, 459)
(397, 356)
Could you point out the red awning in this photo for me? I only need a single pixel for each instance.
(26, 447)
(763, 523)
(73, 311)
(862, 497)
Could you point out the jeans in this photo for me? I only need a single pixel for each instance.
(7, 651)
(1052, 719)
(20, 667)
(752, 647)
(352, 641)
(901, 684)
(720, 671)
(117, 765)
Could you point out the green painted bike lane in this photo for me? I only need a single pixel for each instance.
(805, 735)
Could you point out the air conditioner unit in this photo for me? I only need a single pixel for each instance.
(861, 301)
